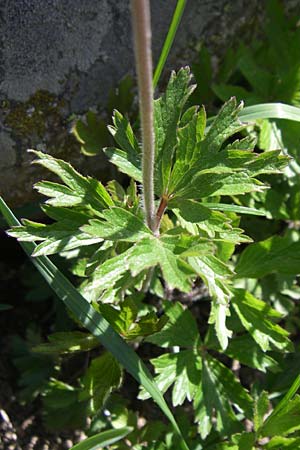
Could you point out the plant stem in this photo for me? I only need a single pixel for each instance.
(143, 55)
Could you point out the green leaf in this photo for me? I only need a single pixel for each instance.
(144, 254)
(288, 396)
(103, 439)
(59, 194)
(95, 323)
(243, 349)
(283, 443)
(103, 375)
(91, 133)
(130, 164)
(183, 370)
(265, 257)
(118, 225)
(179, 319)
(90, 191)
(126, 322)
(62, 406)
(34, 370)
(224, 125)
(218, 390)
(61, 236)
(255, 315)
(187, 151)
(202, 168)
(127, 158)
(233, 208)
(261, 407)
(123, 134)
(167, 110)
(153, 251)
(215, 275)
(285, 421)
(67, 342)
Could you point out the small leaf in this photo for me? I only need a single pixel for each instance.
(130, 164)
(214, 273)
(217, 391)
(261, 407)
(126, 323)
(62, 406)
(179, 319)
(103, 375)
(92, 134)
(123, 134)
(167, 110)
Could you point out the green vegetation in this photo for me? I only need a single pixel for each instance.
(205, 293)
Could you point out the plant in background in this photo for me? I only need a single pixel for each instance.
(147, 253)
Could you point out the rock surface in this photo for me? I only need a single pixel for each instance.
(62, 57)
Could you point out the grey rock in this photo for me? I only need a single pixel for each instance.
(76, 51)
(7, 151)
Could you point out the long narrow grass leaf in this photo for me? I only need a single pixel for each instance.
(234, 208)
(267, 111)
(103, 439)
(94, 322)
(169, 40)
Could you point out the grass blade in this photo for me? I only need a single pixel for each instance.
(268, 111)
(94, 322)
(103, 439)
(169, 40)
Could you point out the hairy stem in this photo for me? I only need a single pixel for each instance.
(143, 55)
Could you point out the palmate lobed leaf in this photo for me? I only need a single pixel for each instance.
(144, 254)
(191, 162)
(60, 236)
